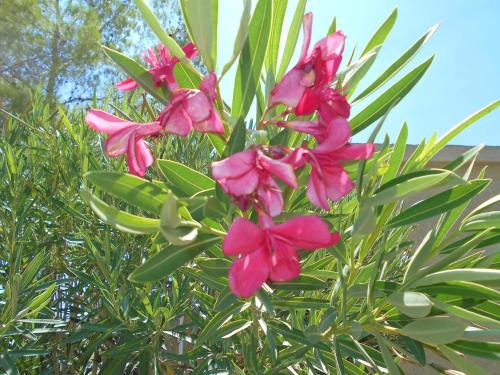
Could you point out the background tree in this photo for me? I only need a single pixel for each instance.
(57, 45)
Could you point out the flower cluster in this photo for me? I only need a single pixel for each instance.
(269, 251)
(255, 178)
(189, 109)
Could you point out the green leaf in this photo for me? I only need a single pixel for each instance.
(487, 350)
(32, 269)
(237, 140)
(420, 257)
(183, 180)
(300, 303)
(169, 259)
(303, 282)
(452, 133)
(476, 274)
(252, 59)
(407, 185)
(8, 364)
(119, 219)
(466, 314)
(464, 158)
(214, 266)
(439, 203)
(394, 94)
(413, 304)
(398, 152)
(435, 330)
(211, 328)
(291, 40)
(382, 32)
(482, 221)
(465, 365)
(230, 329)
(241, 36)
(399, 64)
(201, 21)
(279, 10)
(462, 289)
(138, 74)
(392, 368)
(132, 189)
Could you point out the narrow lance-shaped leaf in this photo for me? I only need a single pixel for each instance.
(439, 203)
(279, 10)
(119, 219)
(452, 133)
(134, 190)
(183, 180)
(201, 21)
(399, 64)
(169, 259)
(395, 93)
(252, 59)
(240, 36)
(138, 74)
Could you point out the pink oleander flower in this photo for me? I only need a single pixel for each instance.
(303, 86)
(162, 67)
(270, 251)
(193, 108)
(328, 179)
(126, 137)
(251, 172)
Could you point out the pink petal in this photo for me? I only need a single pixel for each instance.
(285, 264)
(248, 273)
(303, 126)
(198, 106)
(105, 122)
(308, 104)
(289, 91)
(304, 232)
(279, 169)
(269, 194)
(316, 190)
(190, 50)
(332, 46)
(208, 86)
(235, 165)
(177, 121)
(297, 158)
(337, 182)
(333, 105)
(337, 134)
(212, 125)
(126, 85)
(118, 143)
(139, 157)
(355, 152)
(307, 28)
(242, 238)
(241, 185)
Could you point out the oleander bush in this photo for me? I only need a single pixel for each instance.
(244, 235)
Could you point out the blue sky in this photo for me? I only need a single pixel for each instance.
(463, 78)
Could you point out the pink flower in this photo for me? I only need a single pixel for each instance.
(126, 137)
(328, 179)
(162, 67)
(269, 251)
(193, 108)
(251, 172)
(301, 88)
